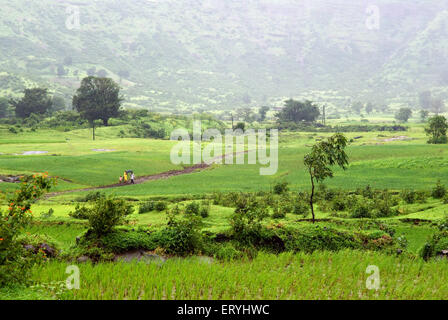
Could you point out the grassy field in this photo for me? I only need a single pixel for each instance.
(321, 275)
(383, 160)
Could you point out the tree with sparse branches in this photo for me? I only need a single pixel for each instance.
(323, 155)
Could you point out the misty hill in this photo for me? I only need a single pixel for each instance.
(193, 54)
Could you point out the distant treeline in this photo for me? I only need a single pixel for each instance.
(345, 128)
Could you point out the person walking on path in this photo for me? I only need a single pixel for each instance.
(125, 175)
(121, 179)
(132, 178)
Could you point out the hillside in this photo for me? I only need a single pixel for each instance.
(191, 54)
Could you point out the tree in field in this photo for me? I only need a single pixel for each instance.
(403, 114)
(246, 114)
(424, 115)
(97, 99)
(436, 130)
(297, 111)
(36, 100)
(262, 112)
(369, 108)
(4, 104)
(357, 107)
(323, 155)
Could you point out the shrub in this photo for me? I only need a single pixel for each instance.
(312, 238)
(409, 196)
(91, 196)
(80, 212)
(228, 252)
(48, 214)
(192, 208)
(161, 205)
(421, 196)
(105, 214)
(246, 220)
(382, 209)
(367, 192)
(121, 241)
(281, 187)
(361, 210)
(12, 130)
(300, 207)
(204, 211)
(339, 204)
(182, 235)
(324, 193)
(435, 246)
(278, 213)
(439, 191)
(147, 207)
(15, 263)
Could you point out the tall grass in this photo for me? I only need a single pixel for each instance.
(321, 275)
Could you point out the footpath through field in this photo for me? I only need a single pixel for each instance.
(163, 175)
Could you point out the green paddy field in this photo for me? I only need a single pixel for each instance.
(383, 160)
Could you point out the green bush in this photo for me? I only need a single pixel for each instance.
(246, 220)
(161, 206)
(278, 211)
(339, 203)
(228, 252)
(302, 208)
(421, 196)
(15, 262)
(204, 211)
(439, 191)
(122, 241)
(281, 187)
(435, 246)
(409, 196)
(147, 207)
(91, 196)
(312, 238)
(181, 236)
(12, 130)
(80, 212)
(361, 210)
(192, 208)
(382, 209)
(105, 214)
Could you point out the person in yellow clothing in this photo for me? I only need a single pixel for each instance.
(125, 176)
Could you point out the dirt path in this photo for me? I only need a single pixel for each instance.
(142, 179)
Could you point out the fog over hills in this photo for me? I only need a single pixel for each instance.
(200, 54)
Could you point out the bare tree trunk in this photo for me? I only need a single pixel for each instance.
(93, 129)
(311, 198)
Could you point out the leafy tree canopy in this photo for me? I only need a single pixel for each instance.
(436, 130)
(97, 99)
(296, 111)
(36, 100)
